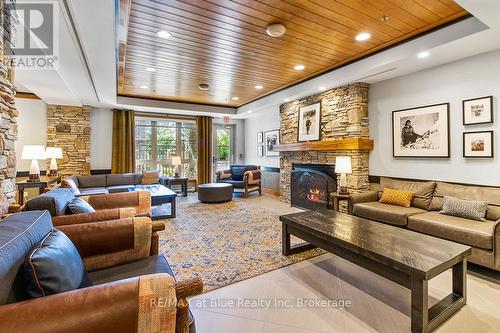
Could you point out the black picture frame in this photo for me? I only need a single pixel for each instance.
(448, 145)
(260, 137)
(319, 122)
(260, 151)
(267, 152)
(492, 138)
(475, 99)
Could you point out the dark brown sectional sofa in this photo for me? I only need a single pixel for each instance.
(424, 216)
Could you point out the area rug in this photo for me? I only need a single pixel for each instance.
(225, 243)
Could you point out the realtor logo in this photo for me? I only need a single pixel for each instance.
(34, 34)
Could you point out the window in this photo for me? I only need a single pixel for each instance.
(157, 140)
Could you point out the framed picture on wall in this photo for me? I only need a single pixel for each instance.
(422, 131)
(260, 137)
(309, 123)
(477, 110)
(260, 151)
(272, 139)
(478, 144)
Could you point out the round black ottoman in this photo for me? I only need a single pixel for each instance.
(215, 192)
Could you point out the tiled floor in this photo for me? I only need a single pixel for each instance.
(376, 304)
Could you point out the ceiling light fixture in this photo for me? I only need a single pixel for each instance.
(164, 34)
(150, 69)
(250, 111)
(299, 67)
(424, 54)
(235, 98)
(203, 86)
(286, 100)
(384, 19)
(276, 30)
(259, 86)
(321, 88)
(144, 86)
(363, 36)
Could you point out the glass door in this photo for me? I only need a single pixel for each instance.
(223, 147)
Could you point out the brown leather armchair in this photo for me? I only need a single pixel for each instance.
(132, 290)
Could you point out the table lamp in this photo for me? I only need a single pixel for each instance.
(53, 153)
(176, 162)
(33, 153)
(343, 166)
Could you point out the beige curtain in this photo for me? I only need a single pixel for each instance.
(123, 152)
(204, 127)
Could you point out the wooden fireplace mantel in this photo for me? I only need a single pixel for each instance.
(328, 145)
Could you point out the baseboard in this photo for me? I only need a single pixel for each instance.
(271, 191)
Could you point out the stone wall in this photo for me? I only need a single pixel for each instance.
(68, 127)
(344, 114)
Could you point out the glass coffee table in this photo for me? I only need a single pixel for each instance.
(160, 195)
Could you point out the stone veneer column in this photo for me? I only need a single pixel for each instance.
(344, 114)
(68, 127)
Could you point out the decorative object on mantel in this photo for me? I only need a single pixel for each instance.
(260, 137)
(478, 144)
(33, 153)
(343, 167)
(260, 151)
(477, 110)
(176, 162)
(422, 131)
(272, 140)
(53, 153)
(309, 123)
(329, 145)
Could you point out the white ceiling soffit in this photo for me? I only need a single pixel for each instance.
(390, 63)
(68, 82)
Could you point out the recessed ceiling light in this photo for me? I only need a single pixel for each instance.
(203, 86)
(363, 36)
(150, 69)
(235, 98)
(144, 86)
(384, 19)
(250, 111)
(164, 34)
(258, 86)
(424, 54)
(321, 88)
(286, 99)
(276, 30)
(299, 67)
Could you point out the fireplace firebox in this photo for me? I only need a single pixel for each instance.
(311, 185)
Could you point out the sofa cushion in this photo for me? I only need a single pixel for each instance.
(468, 209)
(93, 191)
(55, 201)
(18, 234)
(91, 181)
(238, 171)
(458, 229)
(396, 197)
(150, 177)
(72, 184)
(119, 188)
(381, 212)
(235, 183)
(467, 192)
(137, 178)
(80, 206)
(53, 266)
(120, 179)
(423, 191)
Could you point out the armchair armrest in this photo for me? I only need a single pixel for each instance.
(109, 243)
(252, 177)
(140, 200)
(142, 304)
(224, 174)
(362, 197)
(97, 216)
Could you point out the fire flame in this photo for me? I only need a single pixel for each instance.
(315, 194)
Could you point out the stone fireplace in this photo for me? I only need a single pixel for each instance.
(311, 185)
(344, 132)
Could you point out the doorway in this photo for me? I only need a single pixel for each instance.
(223, 141)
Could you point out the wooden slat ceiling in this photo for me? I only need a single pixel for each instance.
(223, 42)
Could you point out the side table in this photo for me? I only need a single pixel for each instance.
(170, 181)
(44, 183)
(337, 197)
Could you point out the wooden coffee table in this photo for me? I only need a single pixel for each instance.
(159, 195)
(408, 258)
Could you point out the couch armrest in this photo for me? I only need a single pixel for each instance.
(140, 200)
(97, 216)
(362, 197)
(109, 243)
(252, 177)
(142, 304)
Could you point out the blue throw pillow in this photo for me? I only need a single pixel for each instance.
(238, 172)
(79, 206)
(54, 266)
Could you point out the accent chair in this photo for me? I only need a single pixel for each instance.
(244, 178)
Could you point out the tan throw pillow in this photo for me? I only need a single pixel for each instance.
(150, 177)
(397, 198)
(70, 183)
(468, 209)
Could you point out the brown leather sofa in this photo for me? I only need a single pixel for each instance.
(423, 215)
(125, 279)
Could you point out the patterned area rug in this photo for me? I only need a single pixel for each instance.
(225, 243)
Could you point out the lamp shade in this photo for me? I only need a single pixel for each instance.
(33, 152)
(343, 164)
(53, 152)
(176, 160)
